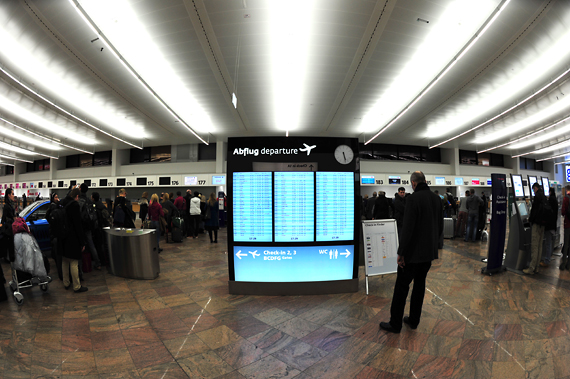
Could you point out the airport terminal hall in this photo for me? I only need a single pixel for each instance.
(255, 189)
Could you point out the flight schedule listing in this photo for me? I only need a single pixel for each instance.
(335, 206)
(294, 206)
(252, 204)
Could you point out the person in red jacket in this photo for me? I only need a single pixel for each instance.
(564, 263)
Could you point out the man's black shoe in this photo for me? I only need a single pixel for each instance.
(388, 327)
(407, 321)
(82, 289)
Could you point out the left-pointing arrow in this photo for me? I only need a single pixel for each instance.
(239, 255)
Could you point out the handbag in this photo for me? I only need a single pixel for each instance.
(146, 224)
(208, 213)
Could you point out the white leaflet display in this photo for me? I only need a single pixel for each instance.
(380, 247)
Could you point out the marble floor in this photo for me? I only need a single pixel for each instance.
(185, 324)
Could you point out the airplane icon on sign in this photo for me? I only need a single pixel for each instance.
(253, 253)
(308, 148)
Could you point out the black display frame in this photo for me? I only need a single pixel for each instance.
(323, 155)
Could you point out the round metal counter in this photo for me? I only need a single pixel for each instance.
(133, 253)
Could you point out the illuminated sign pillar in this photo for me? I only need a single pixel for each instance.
(294, 215)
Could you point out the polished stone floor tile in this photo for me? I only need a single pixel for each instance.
(185, 324)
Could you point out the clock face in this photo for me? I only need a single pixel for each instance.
(344, 154)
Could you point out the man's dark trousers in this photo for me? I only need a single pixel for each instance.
(411, 271)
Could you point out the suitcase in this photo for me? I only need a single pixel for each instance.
(448, 228)
(177, 234)
(177, 229)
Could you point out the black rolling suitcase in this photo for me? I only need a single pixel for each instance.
(177, 229)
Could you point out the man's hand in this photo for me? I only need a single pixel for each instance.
(83, 249)
(401, 262)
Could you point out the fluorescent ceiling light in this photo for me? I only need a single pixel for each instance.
(32, 141)
(528, 122)
(118, 27)
(543, 62)
(6, 164)
(19, 150)
(290, 39)
(14, 158)
(455, 32)
(28, 58)
(554, 156)
(16, 110)
(548, 149)
(542, 137)
(533, 141)
(67, 112)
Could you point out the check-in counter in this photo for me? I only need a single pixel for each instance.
(133, 253)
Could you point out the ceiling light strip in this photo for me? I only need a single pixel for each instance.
(445, 70)
(66, 111)
(31, 152)
(503, 113)
(130, 69)
(524, 137)
(554, 156)
(562, 162)
(6, 164)
(44, 137)
(551, 147)
(14, 158)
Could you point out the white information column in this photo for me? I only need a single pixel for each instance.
(380, 247)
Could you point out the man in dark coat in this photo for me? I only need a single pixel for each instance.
(537, 228)
(73, 245)
(370, 206)
(399, 207)
(423, 224)
(381, 207)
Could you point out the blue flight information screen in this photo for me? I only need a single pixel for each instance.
(253, 201)
(335, 206)
(293, 264)
(294, 206)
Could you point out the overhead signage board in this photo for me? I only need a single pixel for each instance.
(367, 179)
(440, 180)
(296, 222)
(218, 180)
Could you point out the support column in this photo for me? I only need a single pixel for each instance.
(221, 156)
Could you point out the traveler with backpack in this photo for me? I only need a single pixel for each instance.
(155, 211)
(123, 215)
(89, 222)
(7, 237)
(473, 203)
(55, 217)
(382, 207)
(212, 217)
(538, 218)
(564, 262)
(550, 229)
(73, 245)
(103, 221)
(143, 206)
(451, 206)
(195, 213)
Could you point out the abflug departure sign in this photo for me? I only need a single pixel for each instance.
(266, 151)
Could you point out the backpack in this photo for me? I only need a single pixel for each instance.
(106, 220)
(57, 222)
(545, 214)
(451, 200)
(19, 226)
(88, 214)
(119, 215)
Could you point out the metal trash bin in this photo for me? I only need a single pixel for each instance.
(133, 253)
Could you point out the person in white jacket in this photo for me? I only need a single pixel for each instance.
(195, 214)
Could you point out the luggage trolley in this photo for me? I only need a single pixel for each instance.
(29, 281)
(23, 279)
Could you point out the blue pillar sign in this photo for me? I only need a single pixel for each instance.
(498, 224)
(568, 173)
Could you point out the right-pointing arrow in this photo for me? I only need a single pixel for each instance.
(240, 255)
(346, 254)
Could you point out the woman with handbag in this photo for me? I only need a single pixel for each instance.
(211, 217)
(155, 212)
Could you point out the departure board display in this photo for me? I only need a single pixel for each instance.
(253, 201)
(294, 206)
(335, 206)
